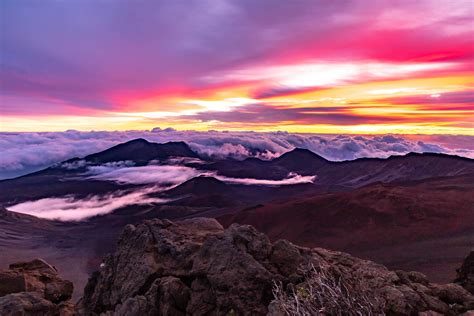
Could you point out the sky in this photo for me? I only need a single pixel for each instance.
(338, 67)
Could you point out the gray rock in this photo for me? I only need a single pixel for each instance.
(195, 267)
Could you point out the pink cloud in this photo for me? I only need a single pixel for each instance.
(70, 59)
(159, 175)
(72, 209)
(293, 178)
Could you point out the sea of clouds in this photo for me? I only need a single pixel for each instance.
(71, 209)
(21, 153)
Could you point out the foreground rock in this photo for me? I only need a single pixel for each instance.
(466, 273)
(34, 288)
(196, 267)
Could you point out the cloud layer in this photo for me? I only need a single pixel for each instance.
(71, 209)
(159, 175)
(22, 153)
(293, 178)
(167, 176)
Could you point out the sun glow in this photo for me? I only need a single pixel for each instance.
(377, 101)
(305, 67)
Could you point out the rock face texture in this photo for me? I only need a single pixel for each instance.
(466, 273)
(195, 267)
(34, 288)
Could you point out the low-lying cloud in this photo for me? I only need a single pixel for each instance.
(167, 176)
(71, 209)
(22, 153)
(159, 175)
(293, 178)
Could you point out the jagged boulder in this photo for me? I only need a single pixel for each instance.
(465, 275)
(195, 267)
(34, 288)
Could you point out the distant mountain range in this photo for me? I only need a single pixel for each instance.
(62, 178)
(413, 211)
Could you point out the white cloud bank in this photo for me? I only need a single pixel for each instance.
(70, 209)
(169, 176)
(293, 178)
(159, 175)
(21, 153)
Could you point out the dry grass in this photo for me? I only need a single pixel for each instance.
(323, 292)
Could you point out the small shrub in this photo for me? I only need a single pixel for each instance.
(324, 292)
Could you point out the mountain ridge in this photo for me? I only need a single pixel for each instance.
(140, 151)
(182, 149)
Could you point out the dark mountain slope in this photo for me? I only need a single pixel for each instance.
(301, 160)
(216, 197)
(44, 186)
(205, 192)
(298, 160)
(348, 174)
(141, 151)
(412, 166)
(372, 220)
(201, 185)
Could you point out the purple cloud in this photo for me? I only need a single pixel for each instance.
(262, 113)
(84, 53)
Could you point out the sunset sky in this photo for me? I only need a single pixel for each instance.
(300, 66)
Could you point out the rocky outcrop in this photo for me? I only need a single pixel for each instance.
(196, 267)
(34, 288)
(466, 273)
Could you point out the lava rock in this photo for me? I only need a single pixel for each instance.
(34, 288)
(196, 267)
(465, 275)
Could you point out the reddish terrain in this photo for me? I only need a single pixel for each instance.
(429, 222)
